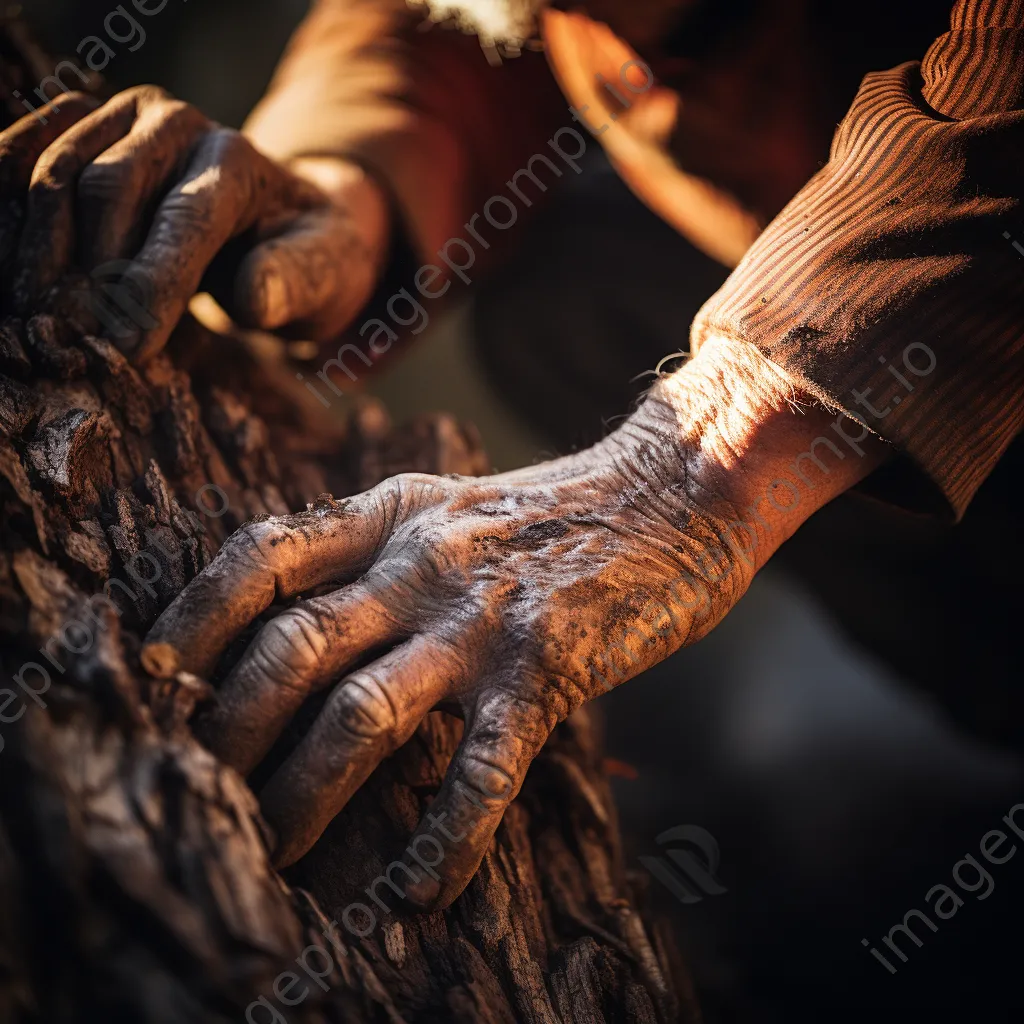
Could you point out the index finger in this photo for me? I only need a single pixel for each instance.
(278, 557)
(228, 188)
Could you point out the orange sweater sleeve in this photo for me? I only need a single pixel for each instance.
(423, 111)
(892, 286)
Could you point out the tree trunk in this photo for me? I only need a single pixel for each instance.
(134, 876)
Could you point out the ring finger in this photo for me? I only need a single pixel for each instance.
(368, 716)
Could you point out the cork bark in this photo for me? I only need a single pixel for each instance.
(135, 882)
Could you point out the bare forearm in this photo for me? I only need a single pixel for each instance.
(750, 445)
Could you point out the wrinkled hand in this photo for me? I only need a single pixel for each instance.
(509, 599)
(497, 598)
(192, 205)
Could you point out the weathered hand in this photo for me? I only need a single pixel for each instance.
(150, 179)
(508, 599)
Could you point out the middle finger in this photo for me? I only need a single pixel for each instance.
(294, 655)
(367, 717)
(227, 188)
(276, 558)
(115, 190)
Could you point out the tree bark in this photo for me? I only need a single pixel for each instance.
(135, 882)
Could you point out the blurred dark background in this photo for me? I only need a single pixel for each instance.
(850, 732)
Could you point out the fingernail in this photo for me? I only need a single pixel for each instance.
(160, 660)
(272, 300)
(423, 894)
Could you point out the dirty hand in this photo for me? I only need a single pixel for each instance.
(149, 179)
(509, 600)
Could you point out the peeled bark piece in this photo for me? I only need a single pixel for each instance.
(88, 546)
(122, 386)
(135, 880)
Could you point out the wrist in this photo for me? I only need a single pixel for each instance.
(752, 451)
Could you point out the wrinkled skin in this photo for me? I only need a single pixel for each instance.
(496, 598)
(194, 206)
(509, 600)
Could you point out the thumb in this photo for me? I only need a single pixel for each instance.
(310, 280)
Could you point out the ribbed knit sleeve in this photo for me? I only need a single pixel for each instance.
(891, 286)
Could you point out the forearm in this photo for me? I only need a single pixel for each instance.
(774, 450)
(721, 463)
(729, 433)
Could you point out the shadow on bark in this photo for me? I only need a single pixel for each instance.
(135, 883)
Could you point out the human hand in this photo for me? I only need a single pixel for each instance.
(509, 600)
(148, 179)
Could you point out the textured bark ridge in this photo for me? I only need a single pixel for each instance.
(135, 883)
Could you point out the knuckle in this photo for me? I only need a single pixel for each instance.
(454, 652)
(178, 110)
(170, 116)
(104, 180)
(55, 170)
(147, 95)
(186, 120)
(558, 690)
(487, 780)
(418, 481)
(361, 709)
(389, 495)
(291, 645)
(386, 501)
(407, 491)
(260, 543)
